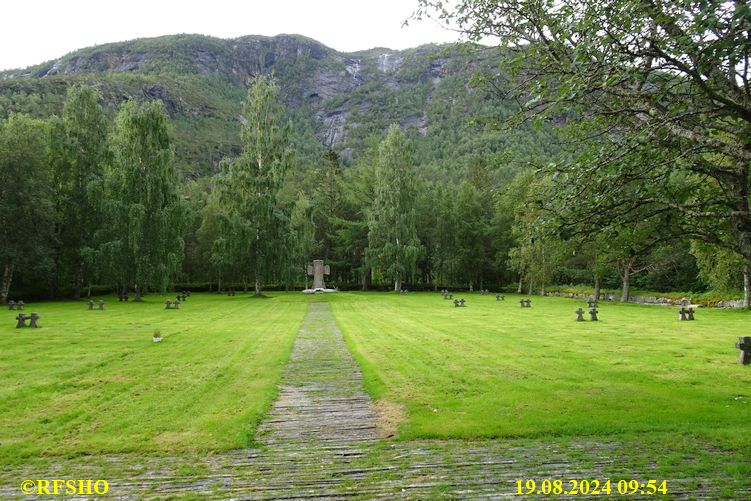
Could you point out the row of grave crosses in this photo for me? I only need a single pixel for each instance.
(22, 318)
(12, 305)
(91, 304)
(592, 314)
(686, 314)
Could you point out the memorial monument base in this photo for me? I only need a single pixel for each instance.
(319, 290)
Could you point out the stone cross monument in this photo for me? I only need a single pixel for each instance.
(318, 270)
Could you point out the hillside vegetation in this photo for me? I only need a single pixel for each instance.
(334, 99)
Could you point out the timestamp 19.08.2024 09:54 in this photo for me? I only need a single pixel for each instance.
(591, 487)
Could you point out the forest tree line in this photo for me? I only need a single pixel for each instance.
(93, 203)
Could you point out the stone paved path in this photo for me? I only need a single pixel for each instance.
(321, 400)
(320, 443)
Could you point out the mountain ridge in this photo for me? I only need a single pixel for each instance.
(336, 99)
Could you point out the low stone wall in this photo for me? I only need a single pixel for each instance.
(661, 301)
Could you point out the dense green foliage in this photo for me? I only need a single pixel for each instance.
(141, 239)
(663, 153)
(26, 214)
(393, 245)
(78, 154)
(253, 242)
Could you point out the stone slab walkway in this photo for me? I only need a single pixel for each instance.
(321, 400)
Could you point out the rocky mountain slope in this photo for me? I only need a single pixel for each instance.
(338, 100)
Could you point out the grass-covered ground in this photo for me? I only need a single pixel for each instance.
(493, 369)
(90, 382)
(522, 393)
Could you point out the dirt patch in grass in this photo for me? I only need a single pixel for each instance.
(389, 415)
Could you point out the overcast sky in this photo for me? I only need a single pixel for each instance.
(35, 31)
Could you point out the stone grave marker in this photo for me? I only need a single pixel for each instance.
(591, 303)
(11, 305)
(593, 314)
(499, 297)
(318, 270)
(22, 318)
(682, 314)
(91, 304)
(101, 304)
(20, 305)
(690, 313)
(579, 315)
(744, 344)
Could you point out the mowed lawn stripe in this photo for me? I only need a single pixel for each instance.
(494, 369)
(92, 381)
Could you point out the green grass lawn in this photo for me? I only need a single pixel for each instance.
(493, 369)
(93, 381)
